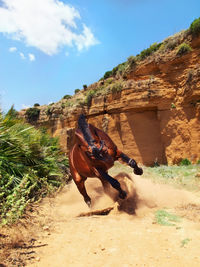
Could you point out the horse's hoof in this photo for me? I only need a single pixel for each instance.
(138, 171)
(122, 194)
(88, 202)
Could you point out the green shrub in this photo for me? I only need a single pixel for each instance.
(31, 166)
(121, 68)
(76, 91)
(85, 87)
(36, 105)
(89, 97)
(147, 52)
(173, 105)
(185, 162)
(198, 161)
(12, 113)
(131, 61)
(114, 70)
(32, 114)
(108, 81)
(183, 49)
(171, 44)
(195, 27)
(117, 87)
(67, 96)
(107, 74)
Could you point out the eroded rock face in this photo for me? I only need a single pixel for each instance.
(155, 118)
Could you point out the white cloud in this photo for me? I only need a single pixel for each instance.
(22, 55)
(31, 57)
(12, 49)
(47, 25)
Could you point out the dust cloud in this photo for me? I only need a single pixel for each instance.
(142, 196)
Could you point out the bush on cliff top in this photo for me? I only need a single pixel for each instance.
(147, 52)
(32, 114)
(195, 27)
(31, 166)
(183, 49)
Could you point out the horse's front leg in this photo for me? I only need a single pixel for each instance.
(80, 183)
(114, 183)
(132, 163)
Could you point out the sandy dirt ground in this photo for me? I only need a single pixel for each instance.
(61, 238)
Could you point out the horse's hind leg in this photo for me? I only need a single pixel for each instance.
(115, 184)
(107, 189)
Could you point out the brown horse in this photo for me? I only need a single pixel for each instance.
(92, 155)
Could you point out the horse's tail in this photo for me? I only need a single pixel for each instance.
(83, 126)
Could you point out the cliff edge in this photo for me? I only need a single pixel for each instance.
(149, 105)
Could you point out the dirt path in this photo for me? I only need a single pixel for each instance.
(118, 239)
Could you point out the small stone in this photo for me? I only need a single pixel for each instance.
(46, 227)
(37, 259)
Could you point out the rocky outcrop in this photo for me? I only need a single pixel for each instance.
(154, 118)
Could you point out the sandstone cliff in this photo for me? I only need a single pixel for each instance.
(151, 110)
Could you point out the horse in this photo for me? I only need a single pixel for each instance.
(92, 155)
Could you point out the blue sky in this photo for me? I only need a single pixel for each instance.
(49, 48)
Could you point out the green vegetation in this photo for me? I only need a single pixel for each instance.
(122, 68)
(85, 87)
(76, 91)
(195, 27)
(147, 52)
(178, 176)
(90, 94)
(115, 80)
(131, 61)
(183, 49)
(116, 87)
(185, 242)
(31, 166)
(185, 162)
(170, 44)
(36, 105)
(173, 105)
(67, 96)
(107, 74)
(32, 114)
(163, 217)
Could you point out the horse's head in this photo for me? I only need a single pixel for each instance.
(97, 151)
